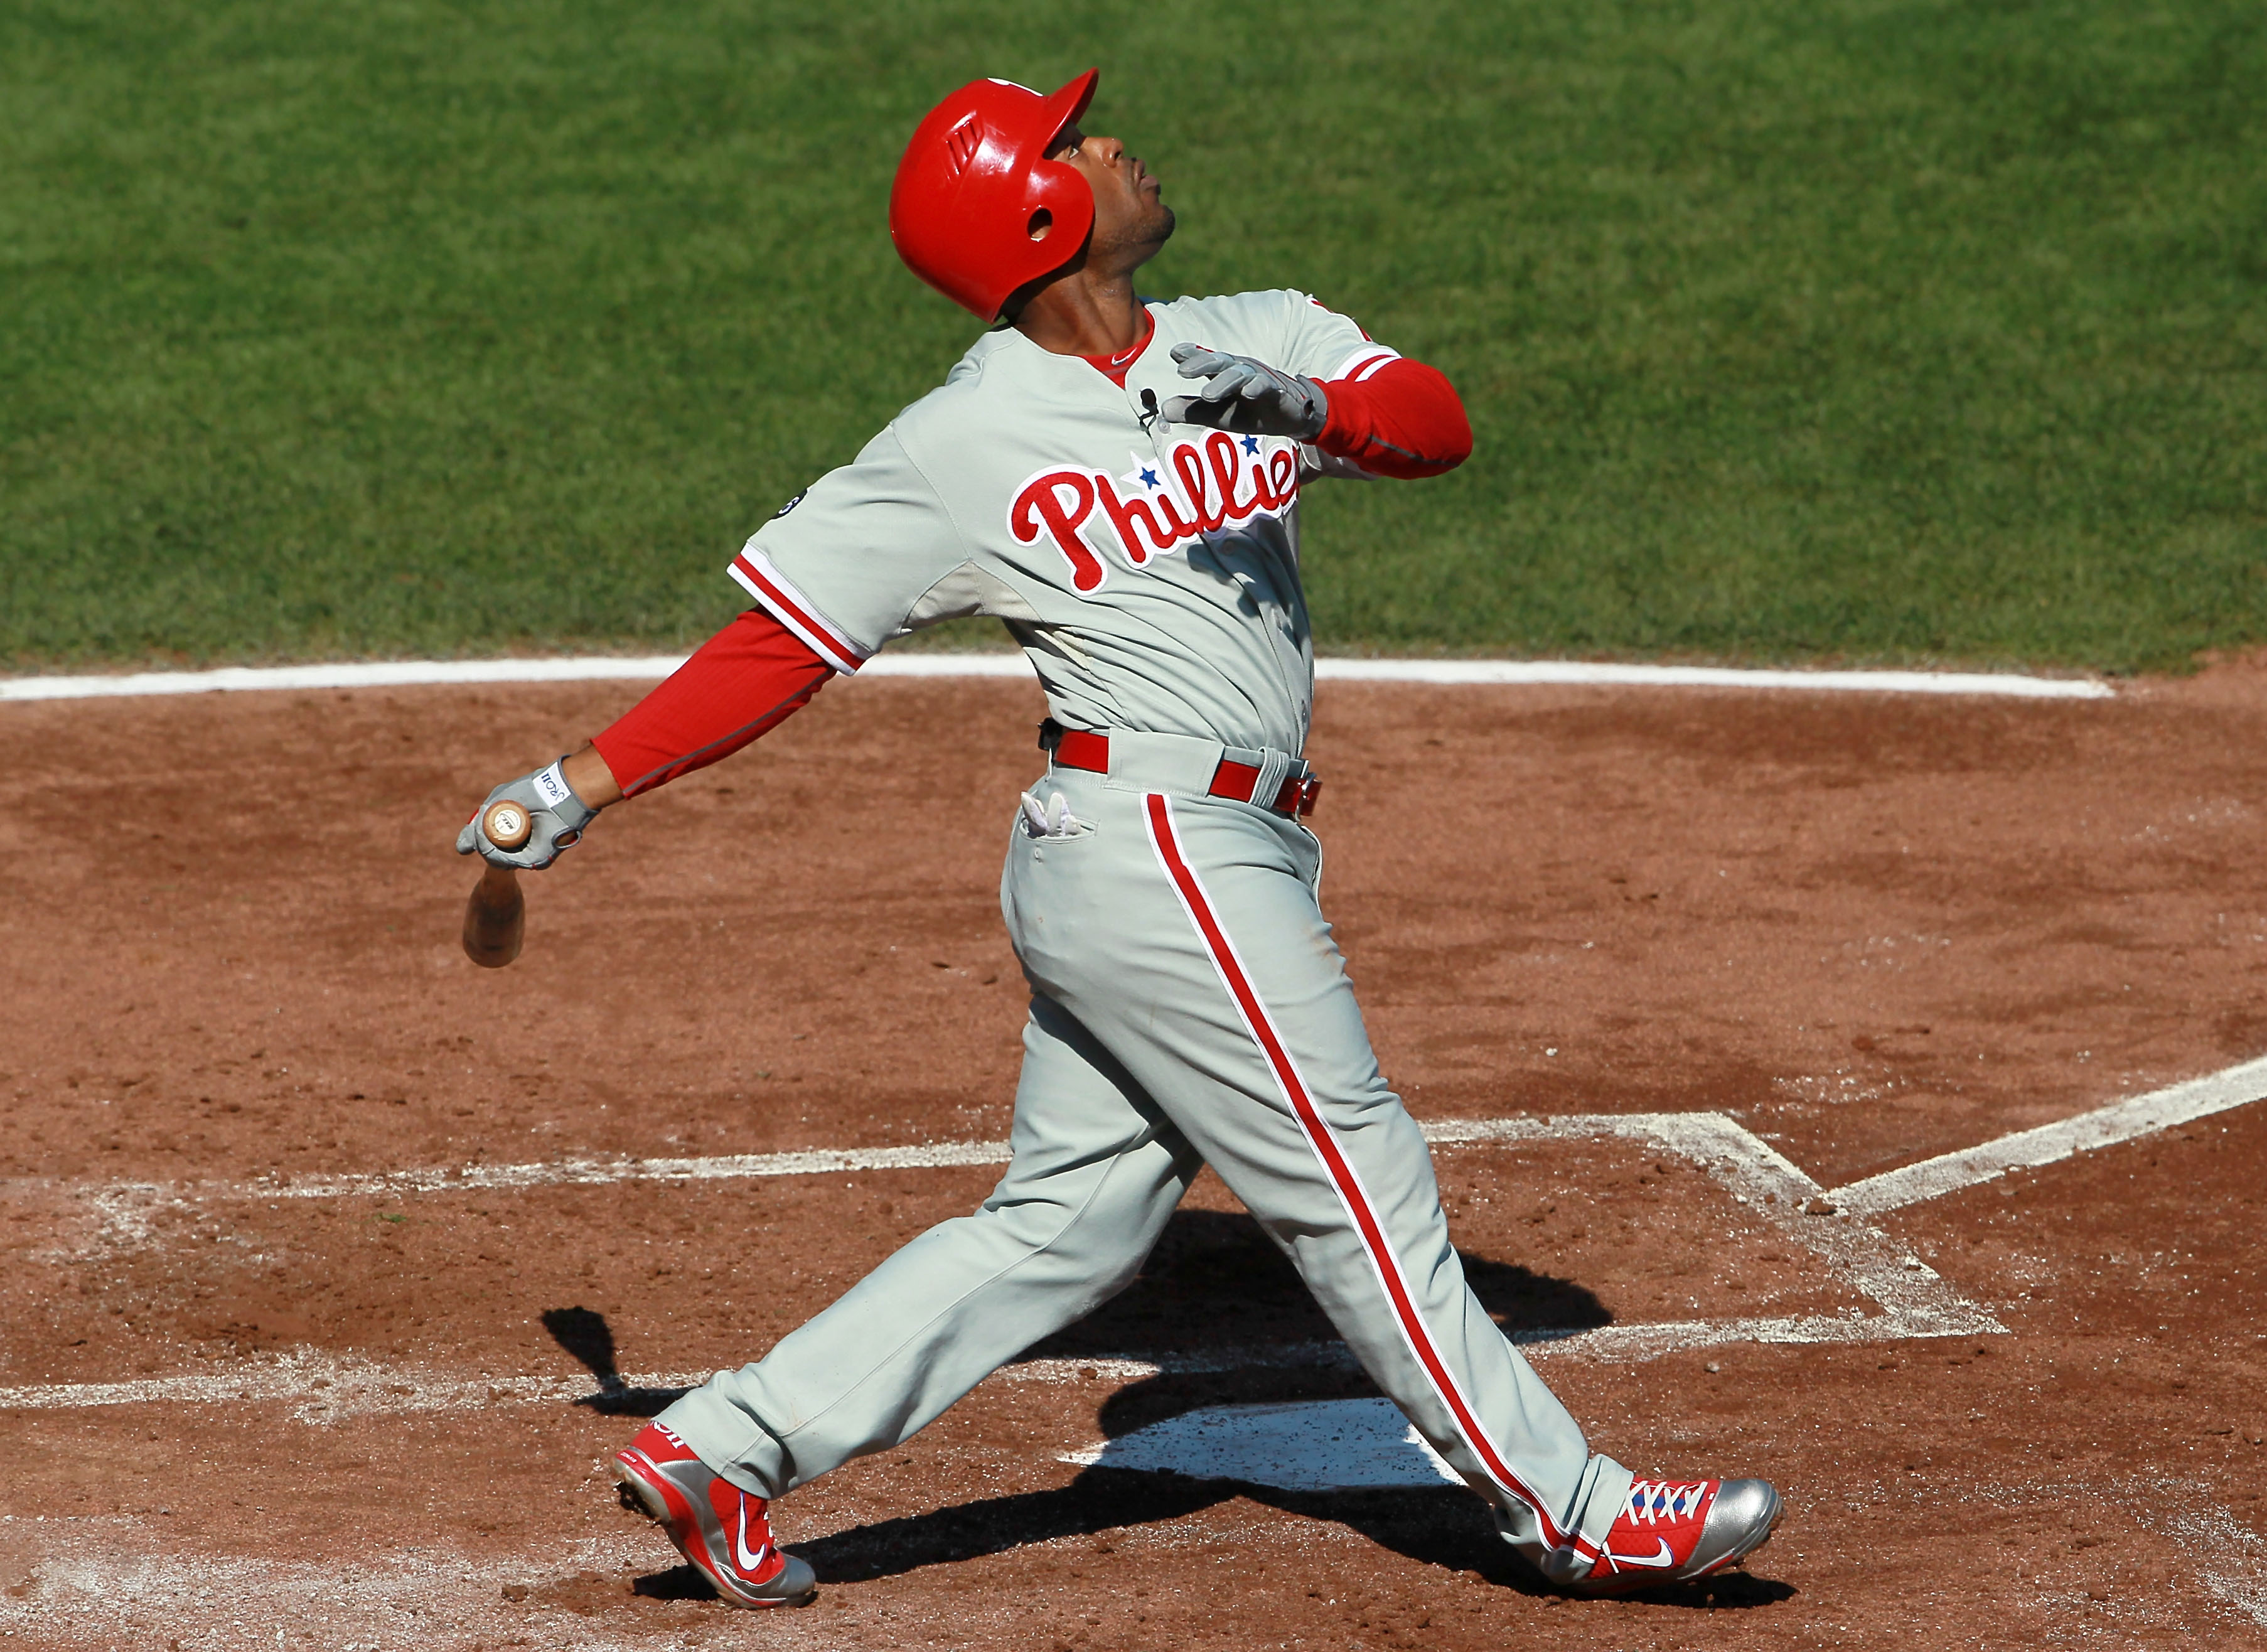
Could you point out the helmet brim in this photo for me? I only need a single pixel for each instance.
(1063, 109)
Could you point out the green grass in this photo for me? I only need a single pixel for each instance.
(1790, 330)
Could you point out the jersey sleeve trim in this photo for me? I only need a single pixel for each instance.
(794, 611)
(1363, 362)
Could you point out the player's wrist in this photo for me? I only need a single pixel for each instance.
(592, 780)
(1345, 429)
(548, 815)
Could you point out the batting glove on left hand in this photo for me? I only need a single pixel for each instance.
(555, 815)
(1248, 397)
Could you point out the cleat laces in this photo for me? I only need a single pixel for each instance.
(1654, 1501)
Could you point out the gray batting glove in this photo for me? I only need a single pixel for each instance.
(1247, 396)
(555, 816)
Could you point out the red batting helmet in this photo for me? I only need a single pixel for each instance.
(974, 182)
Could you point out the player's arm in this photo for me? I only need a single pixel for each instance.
(1380, 412)
(1403, 419)
(837, 571)
(738, 685)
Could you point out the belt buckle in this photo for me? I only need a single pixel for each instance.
(1309, 789)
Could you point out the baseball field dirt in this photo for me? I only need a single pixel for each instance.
(338, 1267)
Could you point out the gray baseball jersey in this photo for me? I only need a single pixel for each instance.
(1189, 1005)
(1150, 570)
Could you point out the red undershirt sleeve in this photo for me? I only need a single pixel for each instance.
(741, 683)
(1403, 419)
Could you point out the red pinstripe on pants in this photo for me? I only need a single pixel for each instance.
(1162, 838)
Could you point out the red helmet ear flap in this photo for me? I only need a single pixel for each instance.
(973, 182)
(1060, 190)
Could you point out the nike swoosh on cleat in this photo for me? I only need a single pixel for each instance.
(750, 1563)
(1667, 1557)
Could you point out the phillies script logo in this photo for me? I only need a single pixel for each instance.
(1155, 508)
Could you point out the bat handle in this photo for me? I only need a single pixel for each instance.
(496, 918)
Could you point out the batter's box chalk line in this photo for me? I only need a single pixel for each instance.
(1835, 1224)
(119, 1580)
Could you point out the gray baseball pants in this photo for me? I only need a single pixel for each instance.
(1189, 1005)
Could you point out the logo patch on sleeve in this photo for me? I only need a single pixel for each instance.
(789, 505)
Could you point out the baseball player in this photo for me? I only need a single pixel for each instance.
(1118, 480)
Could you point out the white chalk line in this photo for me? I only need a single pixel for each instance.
(104, 1578)
(2227, 1557)
(2230, 1560)
(1915, 1301)
(324, 1389)
(127, 1208)
(1587, 674)
(597, 1172)
(332, 1388)
(2051, 1143)
(2231, 1563)
(1441, 673)
(1694, 1134)
(117, 1579)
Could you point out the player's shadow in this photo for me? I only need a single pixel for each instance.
(1216, 1282)
(1447, 1528)
(1213, 1282)
(585, 1333)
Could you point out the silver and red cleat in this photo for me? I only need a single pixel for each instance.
(1673, 1532)
(721, 1529)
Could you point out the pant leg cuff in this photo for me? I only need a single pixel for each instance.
(733, 1449)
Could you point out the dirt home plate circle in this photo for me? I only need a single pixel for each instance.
(506, 825)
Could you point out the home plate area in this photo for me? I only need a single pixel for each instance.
(1213, 1372)
(1347, 1444)
(334, 1278)
(1592, 1195)
(1318, 1445)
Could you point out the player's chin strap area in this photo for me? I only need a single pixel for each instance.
(1284, 784)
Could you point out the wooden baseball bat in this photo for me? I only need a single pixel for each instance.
(495, 915)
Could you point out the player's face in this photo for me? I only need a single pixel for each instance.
(1131, 219)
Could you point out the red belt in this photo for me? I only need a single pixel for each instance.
(1078, 748)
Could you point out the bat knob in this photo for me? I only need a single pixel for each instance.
(506, 824)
